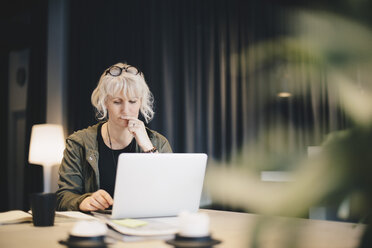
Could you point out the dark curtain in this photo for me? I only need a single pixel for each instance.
(211, 66)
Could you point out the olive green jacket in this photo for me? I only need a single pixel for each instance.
(79, 173)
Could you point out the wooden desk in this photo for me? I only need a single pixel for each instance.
(234, 229)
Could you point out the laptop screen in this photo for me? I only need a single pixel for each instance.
(158, 184)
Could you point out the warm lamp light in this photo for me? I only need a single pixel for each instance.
(284, 94)
(46, 148)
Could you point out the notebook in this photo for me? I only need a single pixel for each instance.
(158, 184)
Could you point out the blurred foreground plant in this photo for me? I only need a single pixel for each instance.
(344, 166)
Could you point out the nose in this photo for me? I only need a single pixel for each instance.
(125, 108)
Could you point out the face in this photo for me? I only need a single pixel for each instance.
(119, 106)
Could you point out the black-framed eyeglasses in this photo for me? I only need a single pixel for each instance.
(117, 70)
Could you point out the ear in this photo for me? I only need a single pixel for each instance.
(106, 101)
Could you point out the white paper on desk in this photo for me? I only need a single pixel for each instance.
(72, 214)
(155, 226)
(75, 215)
(14, 216)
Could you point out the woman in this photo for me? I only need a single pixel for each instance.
(88, 169)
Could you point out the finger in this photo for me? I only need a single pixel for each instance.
(101, 200)
(86, 206)
(132, 124)
(106, 196)
(90, 207)
(136, 124)
(134, 128)
(97, 204)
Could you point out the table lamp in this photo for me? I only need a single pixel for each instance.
(46, 149)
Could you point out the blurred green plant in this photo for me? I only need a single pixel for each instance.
(343, 49)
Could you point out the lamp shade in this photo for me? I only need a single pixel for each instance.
(46, 145)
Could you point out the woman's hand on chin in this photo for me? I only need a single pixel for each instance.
(137, 128)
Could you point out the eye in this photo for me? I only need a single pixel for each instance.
(132, 101)
(117, 102)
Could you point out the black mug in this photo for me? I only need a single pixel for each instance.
(43, 207)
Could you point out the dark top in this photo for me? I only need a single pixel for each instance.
(107, 162)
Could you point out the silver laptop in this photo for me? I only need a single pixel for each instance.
(158, 184)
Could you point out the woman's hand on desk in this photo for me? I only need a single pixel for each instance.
(99, 200)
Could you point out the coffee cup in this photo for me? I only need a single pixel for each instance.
(43, 207)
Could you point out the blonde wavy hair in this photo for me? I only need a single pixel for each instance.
(130, 84)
